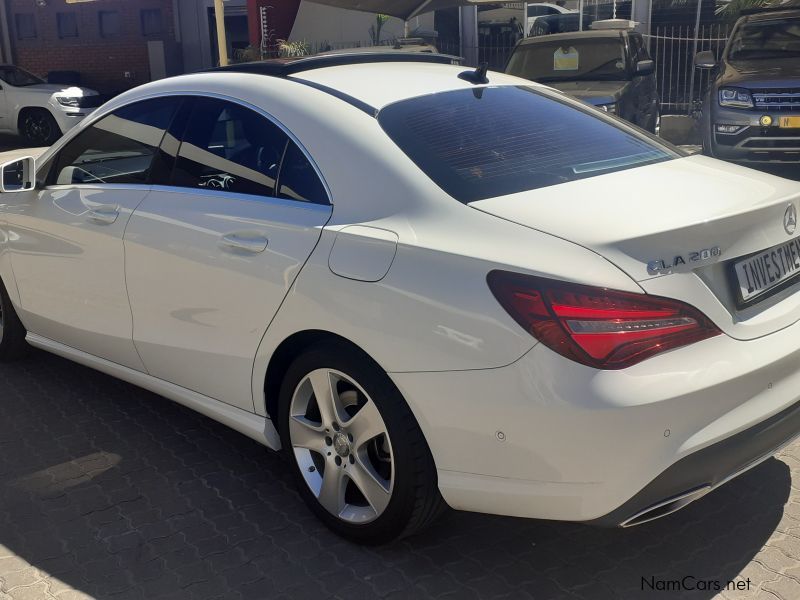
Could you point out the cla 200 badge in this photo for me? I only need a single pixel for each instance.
(662, 266)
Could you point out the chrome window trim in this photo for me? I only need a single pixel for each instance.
(213, 193)
(94, 117)
(144, 187)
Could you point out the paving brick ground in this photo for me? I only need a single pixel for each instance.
(109, 491)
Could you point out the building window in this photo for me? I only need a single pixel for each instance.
(110, 23)
(67, 24)
(152, 24)
(26, 26)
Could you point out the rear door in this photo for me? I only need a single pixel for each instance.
(213, 250)
(67, 249)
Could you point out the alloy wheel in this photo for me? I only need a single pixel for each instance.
(38, 127)
(341, 445)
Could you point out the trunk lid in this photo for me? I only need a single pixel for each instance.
(642, 219)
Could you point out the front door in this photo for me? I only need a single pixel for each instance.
(66, 240)
(211, 254)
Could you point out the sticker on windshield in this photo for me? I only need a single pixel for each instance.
(565, 59)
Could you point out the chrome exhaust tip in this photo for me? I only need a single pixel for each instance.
(666, 507)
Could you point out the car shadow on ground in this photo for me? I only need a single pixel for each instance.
(120, 493)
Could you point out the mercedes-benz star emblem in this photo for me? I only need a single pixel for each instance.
(790, 219)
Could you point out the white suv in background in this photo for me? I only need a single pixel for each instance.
(39, 111)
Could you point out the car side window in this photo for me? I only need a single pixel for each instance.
(119, 148)
(638, 51)
(229, 147)
(298, 179)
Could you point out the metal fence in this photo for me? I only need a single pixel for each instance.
(680, 84)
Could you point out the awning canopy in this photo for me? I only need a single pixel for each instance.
(403, 9)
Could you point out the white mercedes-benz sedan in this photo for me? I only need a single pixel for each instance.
(427, 285)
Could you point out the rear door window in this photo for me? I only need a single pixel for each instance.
(299, 180)
(638, 51)
(486, 142)
(229, 147)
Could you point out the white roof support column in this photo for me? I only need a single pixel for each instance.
(468, 19)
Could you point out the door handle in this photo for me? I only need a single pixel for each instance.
(246, 242)
(104, 214)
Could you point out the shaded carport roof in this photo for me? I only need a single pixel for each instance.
(403, 9)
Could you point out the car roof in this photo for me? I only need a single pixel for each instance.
(574, 35)
(370, 81)
(284, 67)
(380, 84)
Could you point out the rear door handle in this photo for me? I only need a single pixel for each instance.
(106, 214)
(246, 242)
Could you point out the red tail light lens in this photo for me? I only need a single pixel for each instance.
(598, 327)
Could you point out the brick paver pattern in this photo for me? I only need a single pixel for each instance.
(109, 491)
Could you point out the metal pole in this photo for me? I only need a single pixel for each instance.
(222, 42)
(469, 35)
(525, 19)
(694, 52)
(580, 15)
(6, 48)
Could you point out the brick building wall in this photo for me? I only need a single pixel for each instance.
(105, 41)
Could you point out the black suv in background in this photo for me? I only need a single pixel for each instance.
(752, 110)
(608, 68)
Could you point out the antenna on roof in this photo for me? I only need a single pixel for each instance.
(477, 76)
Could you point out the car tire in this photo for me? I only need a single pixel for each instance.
(38, 127)
(12, 333)
(362, 424)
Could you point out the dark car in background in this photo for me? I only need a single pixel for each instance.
(608, 68)
(561, 23)
(752, 110)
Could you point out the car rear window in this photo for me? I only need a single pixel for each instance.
(486, 142)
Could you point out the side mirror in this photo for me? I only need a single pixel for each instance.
(645, 67)
(705, 60)
(17, 175)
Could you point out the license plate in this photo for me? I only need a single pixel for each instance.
(762, 272)
(789, 122)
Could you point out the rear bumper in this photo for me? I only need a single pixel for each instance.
(697, 474)
(550, 439)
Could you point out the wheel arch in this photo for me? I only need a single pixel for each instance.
(287, 351)
(26, 109)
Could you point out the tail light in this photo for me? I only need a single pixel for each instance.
(598, 327)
